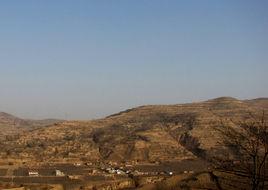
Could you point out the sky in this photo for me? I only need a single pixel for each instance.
(86, 59)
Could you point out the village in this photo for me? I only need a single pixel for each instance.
(83, 174)
(76, 170)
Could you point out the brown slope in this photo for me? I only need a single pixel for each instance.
(260, 103)
(11, 125)
(10, 120)
(147, 133)
(13, 121)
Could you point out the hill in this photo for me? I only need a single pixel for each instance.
(12, 125)
(261, 103)
(10, 120)
(154, 133)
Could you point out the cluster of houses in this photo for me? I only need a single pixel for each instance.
(110, 168)
(118, 171)
(122, 171)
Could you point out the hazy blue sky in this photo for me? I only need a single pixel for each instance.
(86, 59)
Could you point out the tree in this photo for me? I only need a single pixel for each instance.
(247, 144)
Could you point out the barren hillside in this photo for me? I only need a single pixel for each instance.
(11, 125)
(147, 133)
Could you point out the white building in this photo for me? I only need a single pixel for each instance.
(59, 173)
(33, 173)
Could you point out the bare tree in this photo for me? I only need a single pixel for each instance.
(247, 144)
